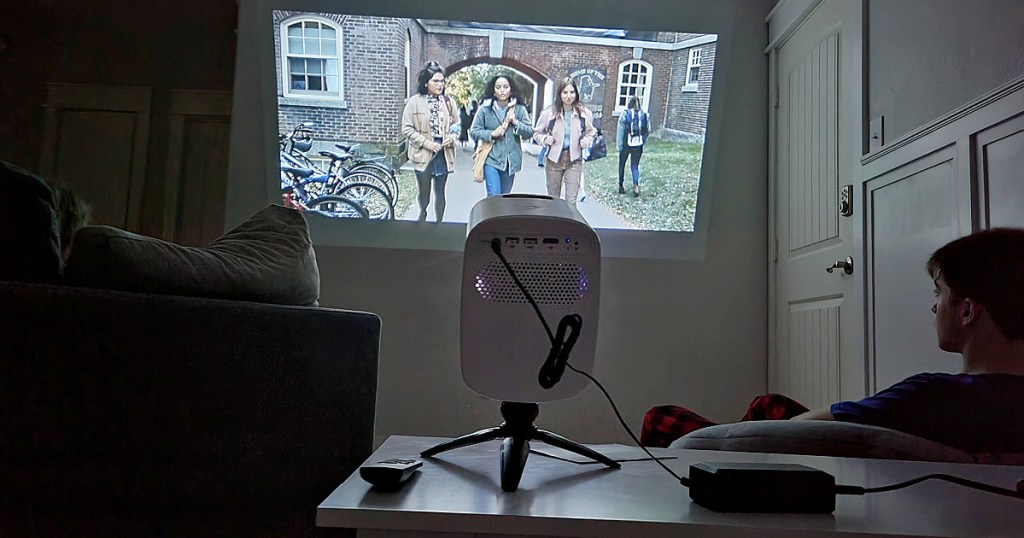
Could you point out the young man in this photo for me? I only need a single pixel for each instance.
(979, 313)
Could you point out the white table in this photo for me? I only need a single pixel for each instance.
(458, 493)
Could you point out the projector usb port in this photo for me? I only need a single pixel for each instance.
(550, 240)
(511, 240)
(530, 241)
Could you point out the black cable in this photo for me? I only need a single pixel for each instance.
(560, 355)
(857, 490)
(496, 247)
(682, 480)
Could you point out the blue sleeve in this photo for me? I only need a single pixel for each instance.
(902, 406)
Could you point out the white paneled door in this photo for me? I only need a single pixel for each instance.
(817, 328)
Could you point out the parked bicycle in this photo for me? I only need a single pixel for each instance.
(377, 196)
(308, 187)
(349, 162)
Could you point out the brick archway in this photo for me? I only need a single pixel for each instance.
(531, 73)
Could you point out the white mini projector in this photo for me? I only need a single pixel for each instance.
(557, 257)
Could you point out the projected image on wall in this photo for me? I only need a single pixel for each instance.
(349, 107)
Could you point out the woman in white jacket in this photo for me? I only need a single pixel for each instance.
(427, 124)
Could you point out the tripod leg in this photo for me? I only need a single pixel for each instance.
(554, 439)
(514, 451)
(466, 440)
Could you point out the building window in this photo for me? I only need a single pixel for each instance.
(692, 71)
(312, 54)
(408, 63)
(634, 80)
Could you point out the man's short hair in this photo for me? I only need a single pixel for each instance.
(987, 267)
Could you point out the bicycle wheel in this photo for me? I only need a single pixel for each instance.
(363, 177)
(381, 171)
(371, 198)
(337, 207)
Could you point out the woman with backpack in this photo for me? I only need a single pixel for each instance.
(630, 138)
(565, 129)
(502, 121)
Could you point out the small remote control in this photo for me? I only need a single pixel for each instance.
(389, 474)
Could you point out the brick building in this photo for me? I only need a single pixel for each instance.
(350, 75)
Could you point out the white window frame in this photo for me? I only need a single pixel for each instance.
(408, 63)
(643, 88)
(693, 62)
(286, 55)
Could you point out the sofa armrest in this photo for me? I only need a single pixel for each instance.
(181, 406)
(820, 438)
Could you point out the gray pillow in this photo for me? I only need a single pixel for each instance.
(819, 438)
(269, 258)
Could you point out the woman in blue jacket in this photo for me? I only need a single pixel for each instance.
(502, 120)
(630, 137)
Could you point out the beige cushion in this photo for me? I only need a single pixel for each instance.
(269, 258)
(820, 438)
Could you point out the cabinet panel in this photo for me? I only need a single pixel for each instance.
(95, 141)
(98, 168)
(912, 211)
(197, 166)
(1001, 185)
(203, 180)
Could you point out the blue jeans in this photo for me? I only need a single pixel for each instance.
(497, 181)
(633, 154)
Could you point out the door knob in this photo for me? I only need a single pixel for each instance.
(846, 265)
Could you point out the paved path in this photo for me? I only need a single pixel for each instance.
(463, 192)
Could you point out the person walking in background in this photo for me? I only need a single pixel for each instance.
(565, 128)
(465, 120)
(630, 136)
(473, 109)
(503, 121)
(427, 124)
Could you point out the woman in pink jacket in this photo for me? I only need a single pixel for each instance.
(565, 128)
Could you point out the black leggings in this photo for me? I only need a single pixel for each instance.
(423, 181)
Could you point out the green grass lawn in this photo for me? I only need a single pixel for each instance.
(669, 174)
(407, 191)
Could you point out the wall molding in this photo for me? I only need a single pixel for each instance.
(956, 115)
(784, 19)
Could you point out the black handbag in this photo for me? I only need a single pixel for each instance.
(599, 149)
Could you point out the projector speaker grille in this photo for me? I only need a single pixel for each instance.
(548, 283)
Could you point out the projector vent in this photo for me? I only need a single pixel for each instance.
(548, 283)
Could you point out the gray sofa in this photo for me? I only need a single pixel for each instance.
(134, 414)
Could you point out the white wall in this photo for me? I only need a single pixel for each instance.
(928, 57)
(685, 332)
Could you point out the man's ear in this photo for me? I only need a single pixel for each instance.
(970, 311)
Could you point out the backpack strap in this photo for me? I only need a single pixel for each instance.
(448, 102)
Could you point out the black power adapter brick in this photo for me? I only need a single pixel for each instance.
(762, 487)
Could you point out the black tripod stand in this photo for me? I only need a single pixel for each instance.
(518, 430)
